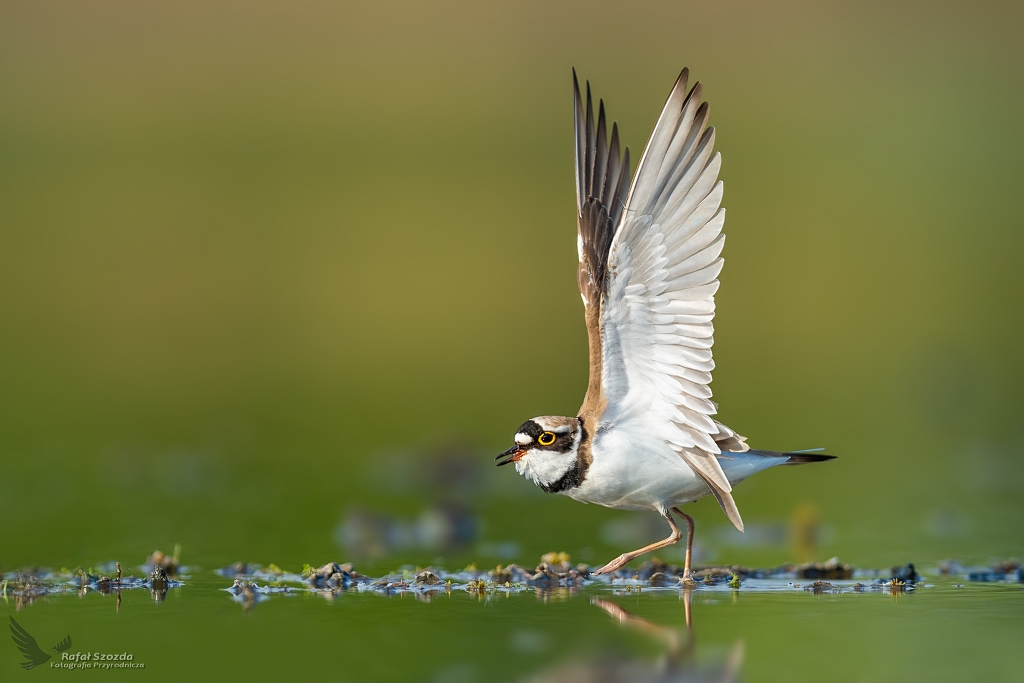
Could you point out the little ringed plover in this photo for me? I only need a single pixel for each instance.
(649, 260)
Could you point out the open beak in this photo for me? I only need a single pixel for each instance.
(511, 455)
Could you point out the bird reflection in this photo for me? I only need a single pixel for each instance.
(676, 665)
(676, 649)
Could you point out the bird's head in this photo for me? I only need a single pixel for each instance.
(545, 449)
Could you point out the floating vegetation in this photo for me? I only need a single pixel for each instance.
(554, 578)
(558, 562)
(661, 579)
(332, 575)
(28, 585)
(819, 587)
(1007, 570)
(831, 569)
(1004, 571)
(427, 578)
(250, 593)
(170, 564)
(271, 574)
(478, 586)
(905, 574)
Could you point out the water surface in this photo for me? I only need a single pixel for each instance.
(947, 629)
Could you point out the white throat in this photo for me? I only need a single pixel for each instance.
(545, 468)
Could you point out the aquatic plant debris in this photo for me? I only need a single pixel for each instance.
(1008, 570)
(831, 569)
(170, 564)
(271, 573)
(29, 585)
(556, 572)
(427, 578)
(819, 587)
(554, 575)
(906, 574)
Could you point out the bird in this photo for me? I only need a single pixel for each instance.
(649, 247)
(34, 655)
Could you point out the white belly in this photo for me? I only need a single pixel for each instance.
(638, 476)
(631, 474)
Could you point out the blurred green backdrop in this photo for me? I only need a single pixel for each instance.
(258, 260)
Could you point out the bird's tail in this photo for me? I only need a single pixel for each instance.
(737, 466)
(797, 457)
(803, 458)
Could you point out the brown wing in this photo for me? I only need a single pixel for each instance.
(602, 184)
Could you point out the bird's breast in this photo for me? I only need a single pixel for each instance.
(637, 475)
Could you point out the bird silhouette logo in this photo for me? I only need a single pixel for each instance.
(34, 656)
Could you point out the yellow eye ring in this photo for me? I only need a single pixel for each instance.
(546, 439)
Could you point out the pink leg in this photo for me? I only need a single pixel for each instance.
(689, 541)
(625, 558)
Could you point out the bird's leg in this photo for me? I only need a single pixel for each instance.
(625, 558)
(689, 542)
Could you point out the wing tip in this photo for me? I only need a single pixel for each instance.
(683, 77)
(728, 505)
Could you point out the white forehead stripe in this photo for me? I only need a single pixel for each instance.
(523, 439)
(558, 427)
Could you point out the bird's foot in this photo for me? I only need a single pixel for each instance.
(687, 580)
(614, 565)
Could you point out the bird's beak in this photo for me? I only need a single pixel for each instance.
(511, 455)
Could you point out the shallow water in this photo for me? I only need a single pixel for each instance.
(947, 628)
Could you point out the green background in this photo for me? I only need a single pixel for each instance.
(260, 261)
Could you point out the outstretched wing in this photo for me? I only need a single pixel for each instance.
(602, 183)
(64, 644)
(659, 293)
(27, 645)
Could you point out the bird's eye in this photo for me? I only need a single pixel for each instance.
(546, 439)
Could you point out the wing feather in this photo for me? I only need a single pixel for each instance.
(602, 182)
(602, 185)
(657, 146)
(659, 281)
